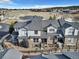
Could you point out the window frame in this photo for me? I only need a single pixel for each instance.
(35, 40)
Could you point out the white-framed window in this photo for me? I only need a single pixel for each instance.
(69, 31)
(44, 40)
(51, 29)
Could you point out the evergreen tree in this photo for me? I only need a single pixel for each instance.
(11, 28)
(50, 18)
(54, 17)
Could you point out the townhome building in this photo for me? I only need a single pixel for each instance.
(48, 33)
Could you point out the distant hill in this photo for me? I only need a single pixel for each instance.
(47, 9)
(57, 8)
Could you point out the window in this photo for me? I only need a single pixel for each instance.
(51, 30)
(36, 40)
(36, 32)
(44, 40)
(76, 32)
(71, 40)
(71, 31)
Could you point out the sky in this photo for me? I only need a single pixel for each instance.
(37, 3)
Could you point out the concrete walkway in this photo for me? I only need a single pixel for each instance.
(31, 51)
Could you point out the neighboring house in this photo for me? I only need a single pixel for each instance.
(71, 35)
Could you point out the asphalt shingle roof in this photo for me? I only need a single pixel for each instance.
(30, 17)
(46, 23)
(4, 27)
(38, 57)
(2, 53)
(35, 24)
(12, 54)
(20, 25)
(72, 55)
(2, 34)
(55, 56)
(75, 25)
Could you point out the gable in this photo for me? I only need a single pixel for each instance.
(70, 28)
(51, 29)
(22, 29)
(69, 31)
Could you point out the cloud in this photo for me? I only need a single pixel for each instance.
(47, 6)
(40, 6)
(15, 6)
(5, 1)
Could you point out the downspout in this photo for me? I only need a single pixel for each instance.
(62, 33)
(61, 27)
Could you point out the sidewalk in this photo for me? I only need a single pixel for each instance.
(34, 51)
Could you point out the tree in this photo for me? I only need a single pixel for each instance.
(54, 17)
(11, 28)
(0, 19)
(50, 18)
